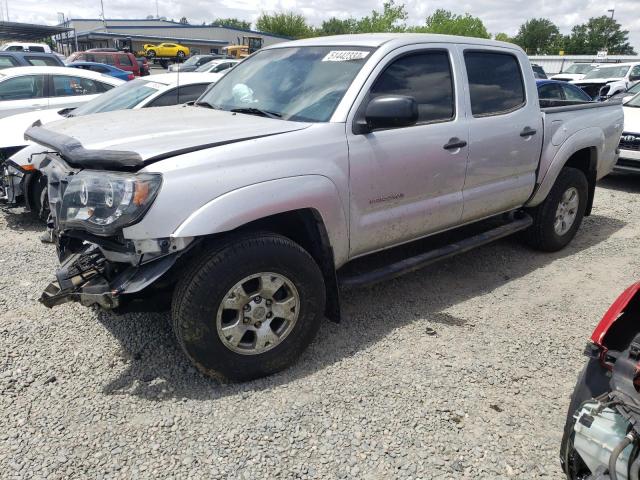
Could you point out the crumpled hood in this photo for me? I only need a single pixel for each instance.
(158, 132)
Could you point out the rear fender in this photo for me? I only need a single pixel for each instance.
(254, 202)
(587, 138)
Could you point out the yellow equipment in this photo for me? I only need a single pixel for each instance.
(249, 45)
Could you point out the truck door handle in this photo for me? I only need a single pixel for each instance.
(527, 132)
(454, 143)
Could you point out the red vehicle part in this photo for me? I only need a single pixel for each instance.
(620, 306)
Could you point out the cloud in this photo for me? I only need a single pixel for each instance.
(498, 15)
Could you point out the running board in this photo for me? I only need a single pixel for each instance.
(411, 264)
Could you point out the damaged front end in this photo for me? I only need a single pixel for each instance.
(89, 278)
(90, 208)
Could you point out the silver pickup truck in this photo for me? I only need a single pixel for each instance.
(249, 210)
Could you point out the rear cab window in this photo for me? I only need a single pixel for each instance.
(496, 85)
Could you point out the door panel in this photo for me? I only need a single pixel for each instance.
(403, 183)
(505, 133)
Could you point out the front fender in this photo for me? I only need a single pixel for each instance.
(244, 205)
(587, 138)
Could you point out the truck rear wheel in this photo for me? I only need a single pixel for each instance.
(557, 219)
(249, 308)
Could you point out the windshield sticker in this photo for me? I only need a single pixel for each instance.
(344, 55)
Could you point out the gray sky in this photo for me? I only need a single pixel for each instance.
(497, 15)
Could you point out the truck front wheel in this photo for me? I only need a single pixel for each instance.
(249, 308)
(557, 219)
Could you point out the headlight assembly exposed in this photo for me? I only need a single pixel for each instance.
(103, 202)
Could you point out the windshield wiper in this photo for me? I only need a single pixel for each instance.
(206, 105)
(256, 111)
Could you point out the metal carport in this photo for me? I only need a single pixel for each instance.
(28, 31)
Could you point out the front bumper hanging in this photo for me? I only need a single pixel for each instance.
(85, 277)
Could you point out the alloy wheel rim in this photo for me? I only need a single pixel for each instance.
(258, 313)
(567, 211)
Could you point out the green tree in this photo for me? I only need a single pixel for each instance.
(391, 19)
(539, 36)
(599, 33)
(503, 37)
(335, 26)
(448, 23)
(232, 22)
(288, 24)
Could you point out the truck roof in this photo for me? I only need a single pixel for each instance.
(393, 39)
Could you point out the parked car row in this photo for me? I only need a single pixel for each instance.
(24, 185)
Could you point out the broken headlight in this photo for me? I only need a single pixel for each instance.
(104, 202)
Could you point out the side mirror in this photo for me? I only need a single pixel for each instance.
(388, 111)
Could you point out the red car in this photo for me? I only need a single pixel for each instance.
(122, 60)
(602, 432)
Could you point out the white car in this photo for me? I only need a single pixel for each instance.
(575, 71)
(25, 47)
(23, 89)
(629, 159)
(218, 66)
(609, 79)
(157, 91)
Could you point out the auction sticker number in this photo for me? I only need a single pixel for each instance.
(344, 55)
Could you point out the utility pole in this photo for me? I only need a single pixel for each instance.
(612, 11)
(6, 6)
(157, 10)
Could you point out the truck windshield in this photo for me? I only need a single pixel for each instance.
(292, 83)
(579, 68)
(123, 97)
(607, 72)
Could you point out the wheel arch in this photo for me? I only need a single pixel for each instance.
(306, 209)
(578, 151)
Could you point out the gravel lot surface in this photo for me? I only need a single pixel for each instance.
(462, 370)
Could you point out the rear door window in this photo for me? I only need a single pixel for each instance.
(7, 61)
(67, 86)
(125, 60)
(495, 83)
(42, 61)
(550, 91)
(575, 94)
(21, 88)
(36, 48)
(425, 76)
(185, 94)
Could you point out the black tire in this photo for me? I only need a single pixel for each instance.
(181, 54)
(151, 53)
(38, 196)
(201, 290)
(542, 235)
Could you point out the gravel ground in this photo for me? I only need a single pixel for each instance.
(462, 370)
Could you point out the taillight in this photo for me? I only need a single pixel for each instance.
(131, 76)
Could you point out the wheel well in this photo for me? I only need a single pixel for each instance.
(586, 160)
(306, 228)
